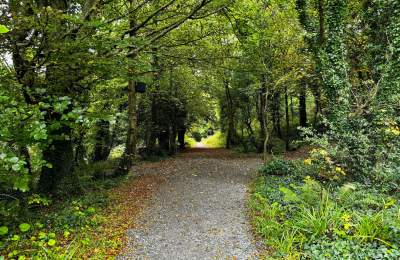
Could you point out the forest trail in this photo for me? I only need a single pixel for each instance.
(198, 210)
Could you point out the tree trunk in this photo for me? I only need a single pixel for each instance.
(261, 113)
(287, 139)
(317, 97)
(130, 148)
(60, 154)
(266, 131)
(230, 137)
(172, 139)
(164, 139)
(181, 138)
(303, 105)
(102, 146)
(154, 125)
(276, 116)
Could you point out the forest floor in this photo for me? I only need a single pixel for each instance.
(198, 209)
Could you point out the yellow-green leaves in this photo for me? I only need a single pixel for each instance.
(24, 227)
(3, 230)
(51, 242)
(3, 29)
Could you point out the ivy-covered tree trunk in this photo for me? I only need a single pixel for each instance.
(334, 64)
(60, 156)
(389, 91)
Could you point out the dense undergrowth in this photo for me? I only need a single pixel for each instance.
(299, 214)
(74, 228)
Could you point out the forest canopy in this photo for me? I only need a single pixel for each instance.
(83, 82)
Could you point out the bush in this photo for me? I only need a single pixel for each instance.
(276, 167)
(278, 146)
(197, 136)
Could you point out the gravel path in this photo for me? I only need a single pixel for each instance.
(198, 211)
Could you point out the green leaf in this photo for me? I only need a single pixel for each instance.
(14, 160)
(3, 29)
(66, 234)
(289, 195)
(15, 238)
(3, 230)
(91, 210)
(42, 235)
(16, 167)
(51, 242)
(24, 227)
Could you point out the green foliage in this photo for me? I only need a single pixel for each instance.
(3, 29)
(217, 140)
(65, 231)
(24, 227)
(276, 167)
(3, 230)
(348, 249)
(191, 142)
(301, 217)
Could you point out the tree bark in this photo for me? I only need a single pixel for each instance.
(130, 147)
(261, 112)
(181, 138)
(276, 116)
(230, 137)
(287, 139)
(60, 154)
(103, 141)
(303, 105)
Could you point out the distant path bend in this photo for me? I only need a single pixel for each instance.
(199, 210)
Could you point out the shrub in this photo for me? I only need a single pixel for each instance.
(197, 136)
(276, 167)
